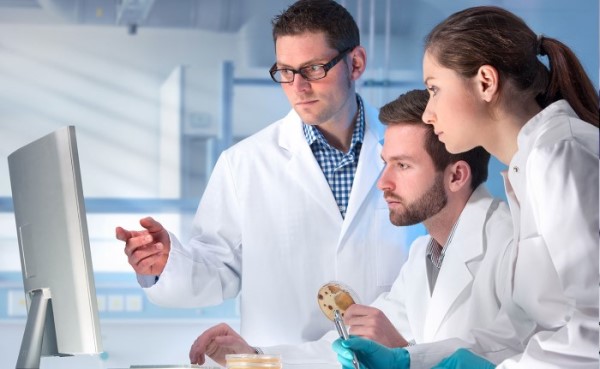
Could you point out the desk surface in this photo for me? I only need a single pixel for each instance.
(189, 366)
(182, 366)
(186, 366)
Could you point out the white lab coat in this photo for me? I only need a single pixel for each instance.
(269, 226)
(552, 188)
(466, 295)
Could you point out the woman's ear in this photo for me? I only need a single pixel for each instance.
(487, 80)
(459, 174)
(358, 62)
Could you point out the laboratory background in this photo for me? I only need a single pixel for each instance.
(156, 90)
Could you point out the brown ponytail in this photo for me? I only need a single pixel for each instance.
(569, 81)
(489, 35)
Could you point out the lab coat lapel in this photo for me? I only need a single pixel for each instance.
(514, 205)
(368, 169)
(456, 274)
(420, 299)
(304, 168)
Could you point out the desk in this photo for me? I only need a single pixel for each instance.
(285, 366)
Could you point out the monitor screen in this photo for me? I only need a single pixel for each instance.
(54, 247)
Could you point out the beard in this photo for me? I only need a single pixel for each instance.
(426, 206)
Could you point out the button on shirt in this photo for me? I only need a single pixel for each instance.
(338, 167)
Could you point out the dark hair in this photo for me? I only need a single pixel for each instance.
(325, 16)
(408, 109)
(489, 35)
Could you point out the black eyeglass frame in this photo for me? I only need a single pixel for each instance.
(326, 67)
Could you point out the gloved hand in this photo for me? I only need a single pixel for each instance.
(464, 359)
(370, 354)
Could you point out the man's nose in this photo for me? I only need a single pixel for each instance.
(383, 183)
(300, 83)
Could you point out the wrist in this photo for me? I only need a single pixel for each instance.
(402, 356)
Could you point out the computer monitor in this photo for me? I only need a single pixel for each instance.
(54, 247)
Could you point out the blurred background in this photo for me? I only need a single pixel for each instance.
(156, 90)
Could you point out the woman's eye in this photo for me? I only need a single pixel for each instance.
(432, 90)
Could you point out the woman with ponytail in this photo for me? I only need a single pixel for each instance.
(542, 122)
(489, 86)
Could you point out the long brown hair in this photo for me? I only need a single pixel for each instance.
(489, 35)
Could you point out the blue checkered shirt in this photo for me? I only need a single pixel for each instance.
(338, 167)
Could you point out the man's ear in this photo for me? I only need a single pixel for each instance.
(459, 175)
(487, 80)
(358, 62)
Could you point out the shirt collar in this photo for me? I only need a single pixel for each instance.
(436, 252)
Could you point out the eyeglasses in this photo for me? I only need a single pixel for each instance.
(309, 73)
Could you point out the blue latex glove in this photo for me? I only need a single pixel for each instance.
(464, 359)
(370, 354)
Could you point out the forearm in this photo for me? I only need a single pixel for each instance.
(190, 280)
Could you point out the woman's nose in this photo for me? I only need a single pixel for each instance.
(428, 116)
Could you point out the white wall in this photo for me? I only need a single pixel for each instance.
(105, 82)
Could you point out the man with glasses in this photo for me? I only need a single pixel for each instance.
(291, 207)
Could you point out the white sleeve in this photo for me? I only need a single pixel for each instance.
(556, 275)
(495, 342)
(206, 270)
(393, 303)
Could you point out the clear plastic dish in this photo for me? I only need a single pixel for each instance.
(335, 295)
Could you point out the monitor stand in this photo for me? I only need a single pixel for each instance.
(40, 325)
